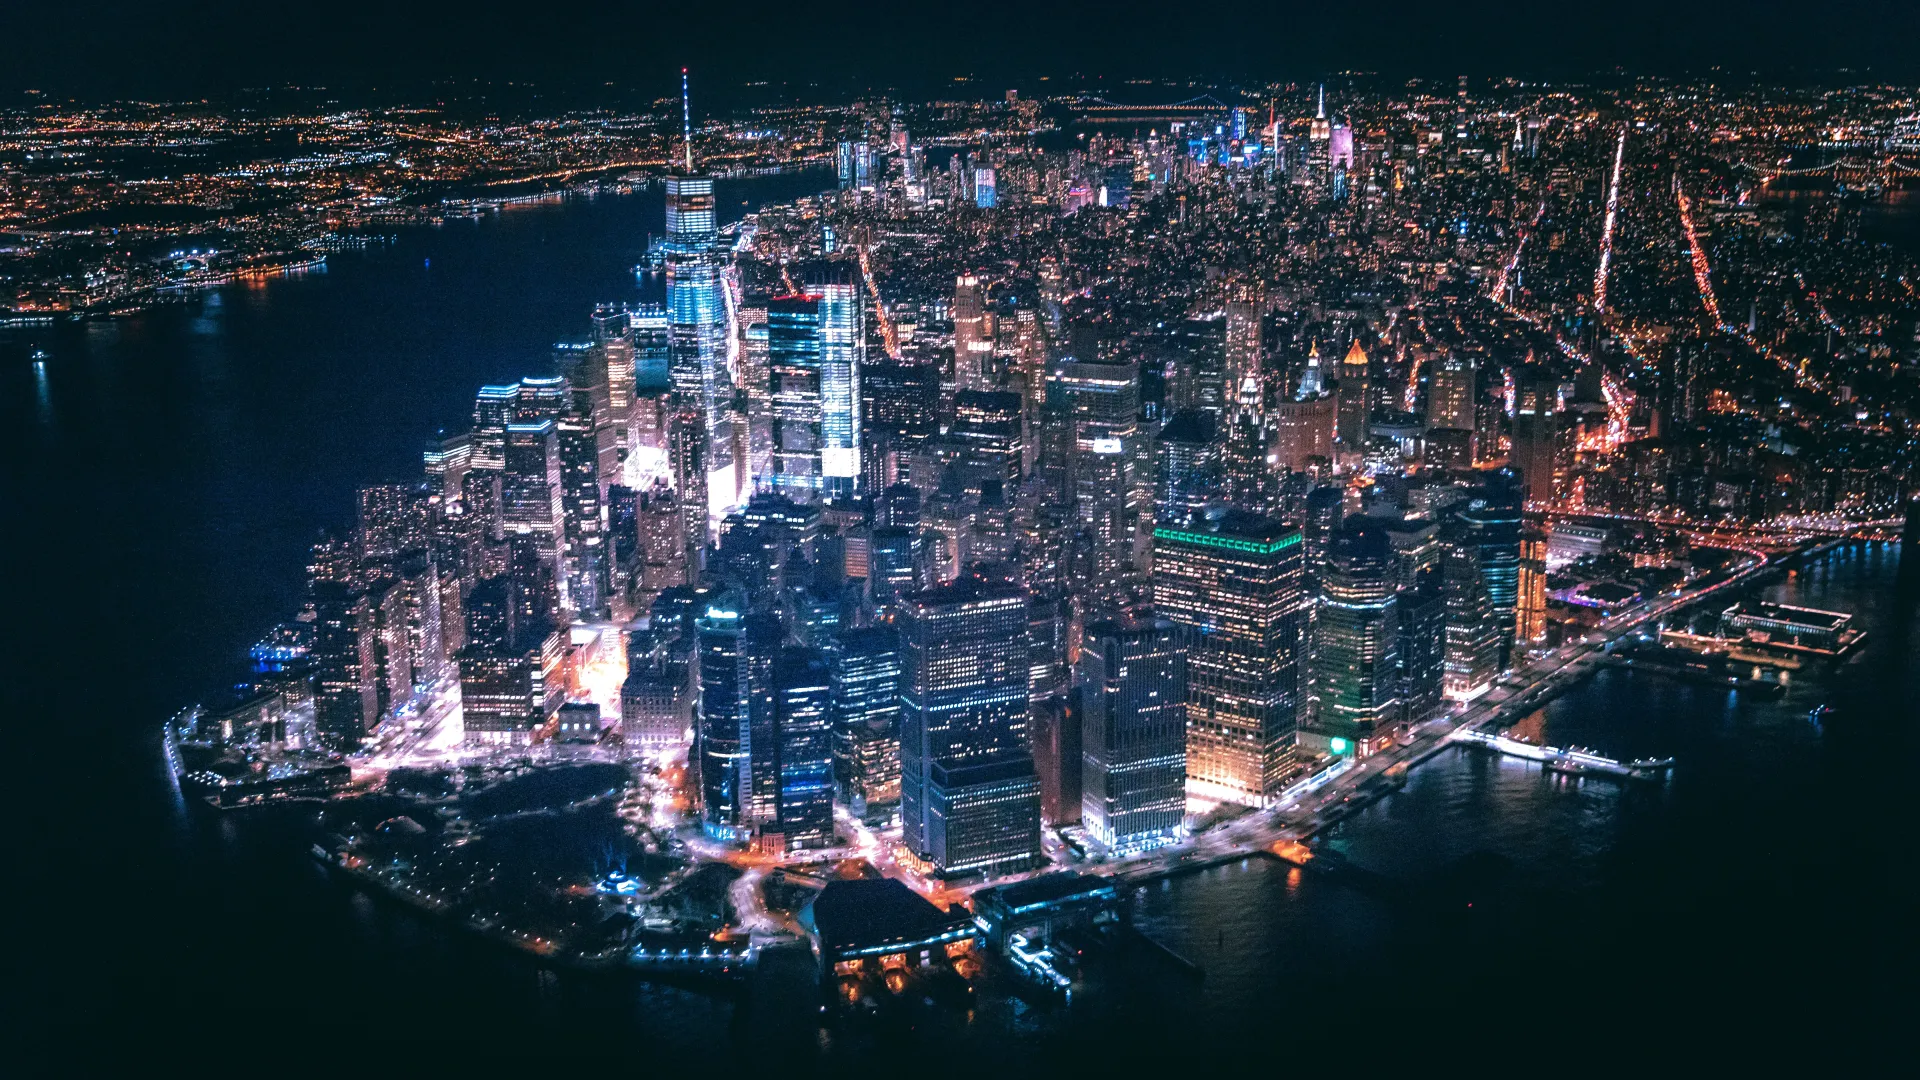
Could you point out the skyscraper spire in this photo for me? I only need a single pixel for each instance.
(1321, 113)
(686, 118)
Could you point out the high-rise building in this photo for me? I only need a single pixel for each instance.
(393, 667)
(803, 810)
(532, 495)
(1491, 522)
(426, 640)
(1234, 582)
(1243, 348)
(346, 701)
(756, 380)
(1103, 404)
(1542, 441)
(1250, 481)
(1354, 406)
(1482, 579)
(969, 800)
(655, 708)
(735, 731)
(1132, 681)
(795, 344)
(1188, 466)
(987, 438)
(651, 333)
(1054, 726)
(494, 407)
(865, 671)
(698, 326)
(1419, 567)
(972, 337)
(985, 189)
(1356, 678)
(1451, 387)
(393, 518)
(1530, 596)
(1303, 431)
(584, 555)
(1199, 380)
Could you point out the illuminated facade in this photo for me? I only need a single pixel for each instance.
(1103, 403)
(1187, 467)
(736, 724)
(1234, 581)
(1450, 392)
(1356, 678)
(1530, 603)
(346, 701)
(1354, 405)
(816, 346)
(1132, 677)
(802, 692)
(866, 718)
(972, 337)
(969, 800)
(698, 324)
(532, 495)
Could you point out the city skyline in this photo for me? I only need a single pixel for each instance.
(979, 566)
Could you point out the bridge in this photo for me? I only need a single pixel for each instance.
(1888, 171)
(1100, 109)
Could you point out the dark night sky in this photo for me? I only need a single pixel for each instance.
(193, 47)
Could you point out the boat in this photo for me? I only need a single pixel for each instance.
(1819, 715)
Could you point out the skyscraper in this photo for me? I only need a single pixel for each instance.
(969, 800)
(1530, 596)
(1188, 466)
(803, 811)
(1354, 407)
(698, 326)
(532, 498)
(1356, 626)
(1482, 585)
(1243, 349)
(1542, 440)
(1451, 385)
(1234, 581)
(1419, 569)
(1491, 522)
(1251, 484)
(865, 672)
(735, 729)
(1132, 679)
(1103, 402)
(972, 340)
(346, 701)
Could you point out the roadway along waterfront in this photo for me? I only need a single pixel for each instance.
(1523, 690)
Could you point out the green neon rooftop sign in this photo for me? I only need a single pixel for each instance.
(1228, 543)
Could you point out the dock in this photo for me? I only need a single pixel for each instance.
(1572, 761)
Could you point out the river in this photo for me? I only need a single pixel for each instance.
(168, 470)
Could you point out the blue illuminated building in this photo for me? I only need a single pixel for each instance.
(803, 813)
(969, 797)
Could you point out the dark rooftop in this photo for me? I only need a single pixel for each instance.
(854, 915)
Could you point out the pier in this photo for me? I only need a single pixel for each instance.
(1573, 762)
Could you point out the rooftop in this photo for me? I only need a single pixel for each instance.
(858, 916)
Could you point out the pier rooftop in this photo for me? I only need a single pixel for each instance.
(856, 919)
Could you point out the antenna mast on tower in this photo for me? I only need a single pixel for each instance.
(686, 118)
